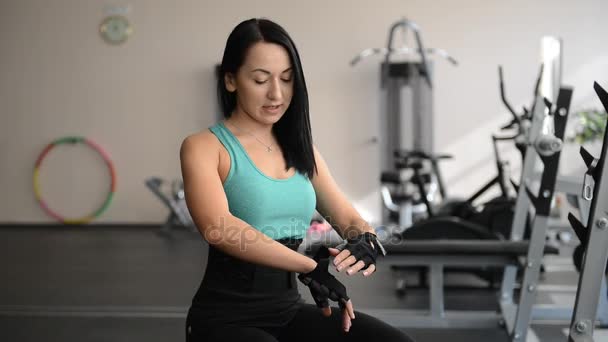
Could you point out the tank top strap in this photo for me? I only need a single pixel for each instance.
(238, 159)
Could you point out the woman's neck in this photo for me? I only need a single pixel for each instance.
(248, 125)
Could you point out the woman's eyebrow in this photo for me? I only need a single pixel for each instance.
(268, 72)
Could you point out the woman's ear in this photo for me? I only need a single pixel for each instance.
(230, 82)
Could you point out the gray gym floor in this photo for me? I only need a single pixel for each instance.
(98, 283)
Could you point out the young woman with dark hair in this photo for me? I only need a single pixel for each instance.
(252, 183)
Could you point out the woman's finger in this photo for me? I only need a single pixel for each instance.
(347, 263)
(346, 323)
(333, 251)
(356, 267)
(350, 309)
(369, 270)
(343, 255)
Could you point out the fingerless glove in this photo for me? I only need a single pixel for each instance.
(365, 247)
(323, 285)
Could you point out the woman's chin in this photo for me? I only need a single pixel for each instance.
(271, 119)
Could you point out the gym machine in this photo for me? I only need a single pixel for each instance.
(175, 200)
(437, 254)
(406, 121)
(495, 214)
(594, 237)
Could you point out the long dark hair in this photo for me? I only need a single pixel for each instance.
(293, 130)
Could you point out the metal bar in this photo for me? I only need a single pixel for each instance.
(602, 311)
(508, 308)
(542, 203)
(436, 291)
(478, 260)
(523, 202)
(592, 276)
(527, 295)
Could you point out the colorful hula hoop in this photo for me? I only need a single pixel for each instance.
(106, 158)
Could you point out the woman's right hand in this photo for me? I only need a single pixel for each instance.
(348, 313)
(324, 287)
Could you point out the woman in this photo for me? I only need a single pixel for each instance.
(252, 183)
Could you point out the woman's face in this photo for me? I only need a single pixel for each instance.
(264, 83)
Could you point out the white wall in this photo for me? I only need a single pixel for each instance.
(57, 77)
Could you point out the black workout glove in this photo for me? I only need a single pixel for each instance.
(322, 284)
(364, 247)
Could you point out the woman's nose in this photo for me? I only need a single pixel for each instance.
(275, 92)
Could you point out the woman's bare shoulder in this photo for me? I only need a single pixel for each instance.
(204, 144)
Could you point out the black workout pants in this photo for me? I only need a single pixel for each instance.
(309, 325)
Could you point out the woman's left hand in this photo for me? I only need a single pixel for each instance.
(358, 253)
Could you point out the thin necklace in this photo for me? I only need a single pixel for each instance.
(268, 147)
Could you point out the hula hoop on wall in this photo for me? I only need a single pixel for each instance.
(75, 140)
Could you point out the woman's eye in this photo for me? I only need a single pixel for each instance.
(259, 82)
(286, 79)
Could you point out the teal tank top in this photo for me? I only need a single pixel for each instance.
(279, 208)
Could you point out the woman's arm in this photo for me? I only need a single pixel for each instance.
(344, 218)
(208, 207)
(333, 205)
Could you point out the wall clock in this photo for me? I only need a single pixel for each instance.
(115, 29)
